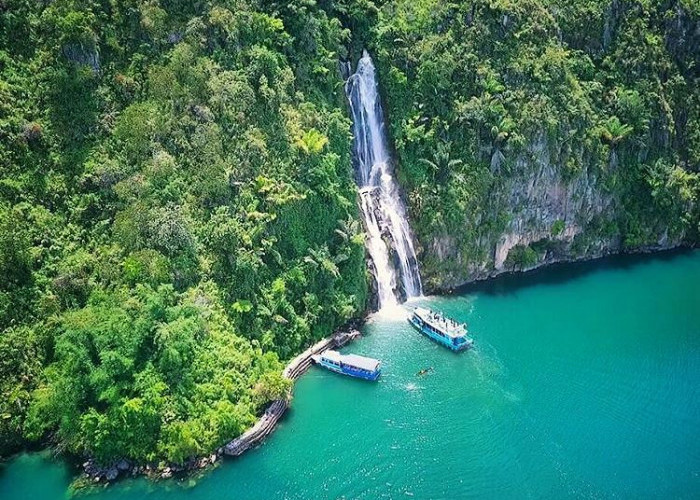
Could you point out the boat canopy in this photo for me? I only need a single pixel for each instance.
(362, 362)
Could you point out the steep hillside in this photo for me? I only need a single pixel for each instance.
(178, 210)
(540, 130)
(177, 215)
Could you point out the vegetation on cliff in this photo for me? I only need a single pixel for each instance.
(488, 97)
(176, 218)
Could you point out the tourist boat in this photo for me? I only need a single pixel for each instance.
(442, 330)
(349, 364)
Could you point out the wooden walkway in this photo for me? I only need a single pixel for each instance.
(263, 427)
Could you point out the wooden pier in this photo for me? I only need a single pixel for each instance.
(297, 366)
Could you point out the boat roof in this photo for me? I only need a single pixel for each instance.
(362, 362)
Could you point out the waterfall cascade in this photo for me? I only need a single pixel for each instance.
(389, 242)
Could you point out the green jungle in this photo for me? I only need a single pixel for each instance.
(178, 213)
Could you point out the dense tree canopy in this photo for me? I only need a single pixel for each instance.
(175, 199)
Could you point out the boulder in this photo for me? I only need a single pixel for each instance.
(111, 473)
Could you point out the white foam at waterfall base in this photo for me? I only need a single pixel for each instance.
(378, 251)
(380, 200)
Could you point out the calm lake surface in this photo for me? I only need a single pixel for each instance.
(585, 382)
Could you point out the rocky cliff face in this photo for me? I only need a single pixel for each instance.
(542, 206)
(547, 218)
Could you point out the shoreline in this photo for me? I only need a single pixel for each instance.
(494, 274)
(94, 474)
(513, 347)
(296, 367)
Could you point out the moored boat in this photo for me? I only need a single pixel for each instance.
(349, 364)
(441, 329)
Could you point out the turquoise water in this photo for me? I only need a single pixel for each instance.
(584, 383)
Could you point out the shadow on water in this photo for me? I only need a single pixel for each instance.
(562, 272)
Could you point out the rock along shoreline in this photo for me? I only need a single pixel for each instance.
(93, 473)
(483, 276)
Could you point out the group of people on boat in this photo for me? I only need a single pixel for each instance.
(438, 317)
(442, 330)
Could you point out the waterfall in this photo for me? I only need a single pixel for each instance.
(389, 242)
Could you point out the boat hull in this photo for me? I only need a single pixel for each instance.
(443, 341)
(351, 372)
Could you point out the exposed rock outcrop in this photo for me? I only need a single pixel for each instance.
(83, 56)
(547, 218)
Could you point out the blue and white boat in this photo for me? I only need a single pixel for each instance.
(442, 330)
(349, 364)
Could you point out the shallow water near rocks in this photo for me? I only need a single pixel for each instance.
(584, 383)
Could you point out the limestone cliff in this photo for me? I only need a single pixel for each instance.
(547, 218)
(532, 132)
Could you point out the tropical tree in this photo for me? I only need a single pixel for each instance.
(442, 163)
(612, 131)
